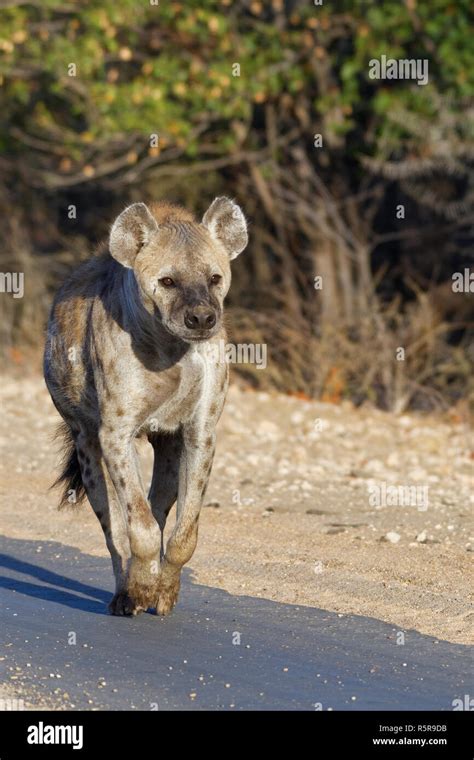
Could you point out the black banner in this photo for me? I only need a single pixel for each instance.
(374, 734)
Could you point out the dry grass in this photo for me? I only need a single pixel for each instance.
(309, 351)
(363, 364)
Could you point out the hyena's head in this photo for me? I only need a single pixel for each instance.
(181, 266)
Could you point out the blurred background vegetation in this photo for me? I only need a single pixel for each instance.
(248, 131)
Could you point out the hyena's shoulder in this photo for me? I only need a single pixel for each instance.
(69, 322)
(96, 278)
(90, 278)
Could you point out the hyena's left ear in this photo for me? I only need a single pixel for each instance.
(226, 223)
(130, 231)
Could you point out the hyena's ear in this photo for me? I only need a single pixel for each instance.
(130, 231)
(226, 222)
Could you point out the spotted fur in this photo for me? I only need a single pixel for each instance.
(127, 355)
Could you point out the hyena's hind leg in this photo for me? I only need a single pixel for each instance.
(167, 449)
(103, 499)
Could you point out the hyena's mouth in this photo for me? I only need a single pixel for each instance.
(198, 336)
(191, 336)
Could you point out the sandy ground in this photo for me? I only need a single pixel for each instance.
(288, 514)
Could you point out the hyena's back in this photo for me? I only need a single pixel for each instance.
(67, 352)
(67, 358)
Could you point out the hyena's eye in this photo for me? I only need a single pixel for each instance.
(215, 279)
(167, 282)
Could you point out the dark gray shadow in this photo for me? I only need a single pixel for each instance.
(53, 579)
(215, 651)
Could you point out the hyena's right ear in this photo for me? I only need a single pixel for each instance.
(130, 232)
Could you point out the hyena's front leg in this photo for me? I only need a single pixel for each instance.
(195, 467)
(103, 499)
(143, 530)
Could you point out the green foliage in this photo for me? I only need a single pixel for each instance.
(171, 69)
(168, 69)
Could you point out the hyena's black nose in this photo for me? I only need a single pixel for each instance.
(200, 318)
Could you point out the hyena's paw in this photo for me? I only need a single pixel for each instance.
(142, 584)
(168, 592)
(143, 595)
(123, 604)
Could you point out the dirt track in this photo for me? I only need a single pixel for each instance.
(216, 651)
(289, 517)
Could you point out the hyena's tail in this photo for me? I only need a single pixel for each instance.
(73, 489)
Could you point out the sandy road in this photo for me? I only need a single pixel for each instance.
(216, 651)
(289, 520)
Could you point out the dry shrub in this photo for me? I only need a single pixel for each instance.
(20, 318)
(23, 320)
(395, 358)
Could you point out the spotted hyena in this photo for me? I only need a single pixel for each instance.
(127, 355)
